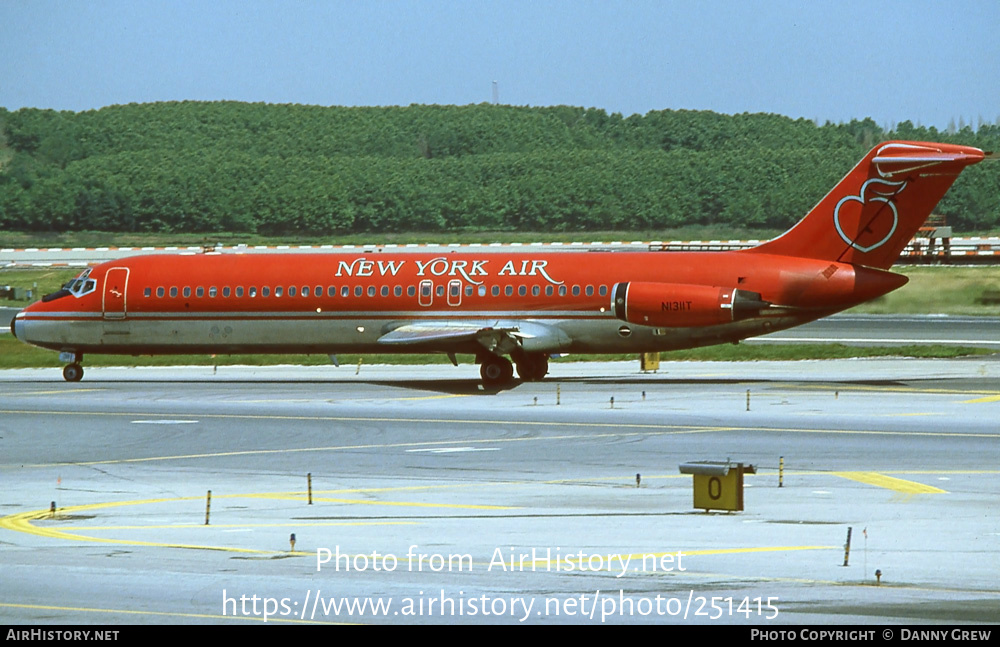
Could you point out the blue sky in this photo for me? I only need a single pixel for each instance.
(928, 61)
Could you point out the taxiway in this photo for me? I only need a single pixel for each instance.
(420, 470)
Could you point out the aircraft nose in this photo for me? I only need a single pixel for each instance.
(15, 324)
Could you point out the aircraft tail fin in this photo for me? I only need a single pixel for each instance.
(870, 216)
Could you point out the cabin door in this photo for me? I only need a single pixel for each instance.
(115, 282)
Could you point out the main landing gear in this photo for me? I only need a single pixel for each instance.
(496, 371)
(499, 371)
(72, 372)
(532, 367)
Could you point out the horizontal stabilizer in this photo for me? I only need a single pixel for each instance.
(900, 158)
(870, 216)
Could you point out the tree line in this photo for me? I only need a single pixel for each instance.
(291, 169)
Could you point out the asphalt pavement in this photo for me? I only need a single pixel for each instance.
(416, 497)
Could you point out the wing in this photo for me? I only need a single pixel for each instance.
(500, 337)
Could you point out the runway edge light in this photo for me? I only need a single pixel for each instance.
(717, 485)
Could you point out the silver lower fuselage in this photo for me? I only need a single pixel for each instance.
(357, 332)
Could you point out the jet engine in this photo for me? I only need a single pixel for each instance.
(680, 305)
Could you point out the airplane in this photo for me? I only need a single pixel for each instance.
(523, 305)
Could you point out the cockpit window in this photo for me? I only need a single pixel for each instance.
(82, 284)
(78, 287)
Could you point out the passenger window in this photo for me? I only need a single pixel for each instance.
(173, 292)
(576, 290)
(159, 292)
(278, 291)
(358, 291)
(522, 290)
(535, 290)
(187, 292)
(305, 290)
(562, 290)
(603, 291)
(590, 290)
(252, 290)
(509, 290)
(398, 290)
(345, 291)
(200, 292)
(147, 292)
(411, 291)
(331, 291)
(239, 290)
(318, 291)
(496, 290)
(371, 290)
(440, 290)
(385, 290)
(213, 291)
(548, 290)
(265, 291)
(226, 291)
(291, 290)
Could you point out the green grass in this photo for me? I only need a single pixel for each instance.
(953, 290)
(40, 281)
(793, 352)
(752, 352)
(14, 354)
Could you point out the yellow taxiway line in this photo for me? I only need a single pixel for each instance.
(891, 483)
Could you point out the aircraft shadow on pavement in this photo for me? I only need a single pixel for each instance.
(449, 387)
(717, 380)
(472, 386)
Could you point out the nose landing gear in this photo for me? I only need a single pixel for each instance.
(73, 372)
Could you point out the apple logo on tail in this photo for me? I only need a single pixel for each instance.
(860, 213)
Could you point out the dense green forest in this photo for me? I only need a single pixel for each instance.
(291, 169)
